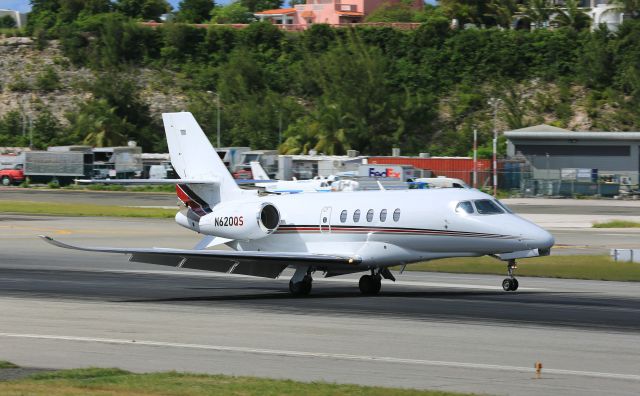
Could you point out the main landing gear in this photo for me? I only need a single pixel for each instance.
(302, 288)
(510, 283)
(300, 283)
(370, 284)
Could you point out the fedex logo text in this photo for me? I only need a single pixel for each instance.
(387, 172)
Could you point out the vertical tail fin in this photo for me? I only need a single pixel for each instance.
(258, 171)
(193, 157)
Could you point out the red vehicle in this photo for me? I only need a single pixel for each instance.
(12, 176)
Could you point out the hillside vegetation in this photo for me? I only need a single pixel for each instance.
(331, 89)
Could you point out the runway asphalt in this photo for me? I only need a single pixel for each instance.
(64, 308)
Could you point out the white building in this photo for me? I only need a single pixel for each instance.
(21, 19)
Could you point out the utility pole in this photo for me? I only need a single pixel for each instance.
(495, 102)
(475, 157)
(279, 127)
(218, 120)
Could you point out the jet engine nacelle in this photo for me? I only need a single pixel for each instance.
(241, 220)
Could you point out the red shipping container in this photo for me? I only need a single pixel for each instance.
(456, 167)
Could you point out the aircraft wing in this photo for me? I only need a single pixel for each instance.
(254, 263)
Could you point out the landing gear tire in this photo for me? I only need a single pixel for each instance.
(370, 284)
(510, 284)
(302, 288)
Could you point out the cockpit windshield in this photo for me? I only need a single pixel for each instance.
(487, 206)
(464, 207)
(503, 206)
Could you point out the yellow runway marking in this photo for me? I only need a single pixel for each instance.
(56, 231)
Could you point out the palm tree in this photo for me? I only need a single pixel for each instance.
(538, 12)
(502, 11)
(571, 16)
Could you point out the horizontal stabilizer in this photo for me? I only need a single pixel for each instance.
(255, 263)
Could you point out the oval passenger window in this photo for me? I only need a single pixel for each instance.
(370, 215)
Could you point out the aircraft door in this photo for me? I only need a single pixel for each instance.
(325, 219)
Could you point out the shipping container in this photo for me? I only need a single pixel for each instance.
(454, 167)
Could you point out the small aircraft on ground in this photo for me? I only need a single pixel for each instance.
(333, 234)
(262, 180)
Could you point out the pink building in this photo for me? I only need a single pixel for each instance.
(333, 12)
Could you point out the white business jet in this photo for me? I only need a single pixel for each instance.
(332, 234)
(287, 186)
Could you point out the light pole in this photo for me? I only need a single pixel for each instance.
(218, 118)
(475, 157)
(495, 102)
(217, 115)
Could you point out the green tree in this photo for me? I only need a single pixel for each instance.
(231, 13)
(195, 11)
(596, 66)
(631, 8)
(261, 5)
(502, 12)
(538, 12)
(571, 15)
(47, 130)
(7, 22)
(98, 125)
(466, 11)
(143, 9)
(388, 12)
(12, 126)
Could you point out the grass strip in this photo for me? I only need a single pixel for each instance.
(617, 224)
(567, 267)
(74, 209)
(116, 382)
(7, 365)
(168, 188)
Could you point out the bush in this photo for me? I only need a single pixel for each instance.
(48, 80)
(19, 85)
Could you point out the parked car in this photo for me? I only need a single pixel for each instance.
(11, 176)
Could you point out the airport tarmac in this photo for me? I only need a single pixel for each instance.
(64, 308)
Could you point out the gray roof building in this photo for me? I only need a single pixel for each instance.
(556, 153)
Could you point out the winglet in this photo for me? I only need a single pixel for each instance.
(53, 242)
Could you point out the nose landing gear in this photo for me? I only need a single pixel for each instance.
(510, 283)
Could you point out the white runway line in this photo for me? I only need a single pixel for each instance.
(317, 279)
(338, 356)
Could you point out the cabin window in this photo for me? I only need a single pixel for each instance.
(370, 215)
(383, 215)
(396, 214)
(343, 216)
(464, 207)
(487, 206)
(356, 216)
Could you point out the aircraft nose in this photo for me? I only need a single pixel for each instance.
(539, 238)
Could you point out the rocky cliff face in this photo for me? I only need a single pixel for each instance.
(22, 65)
